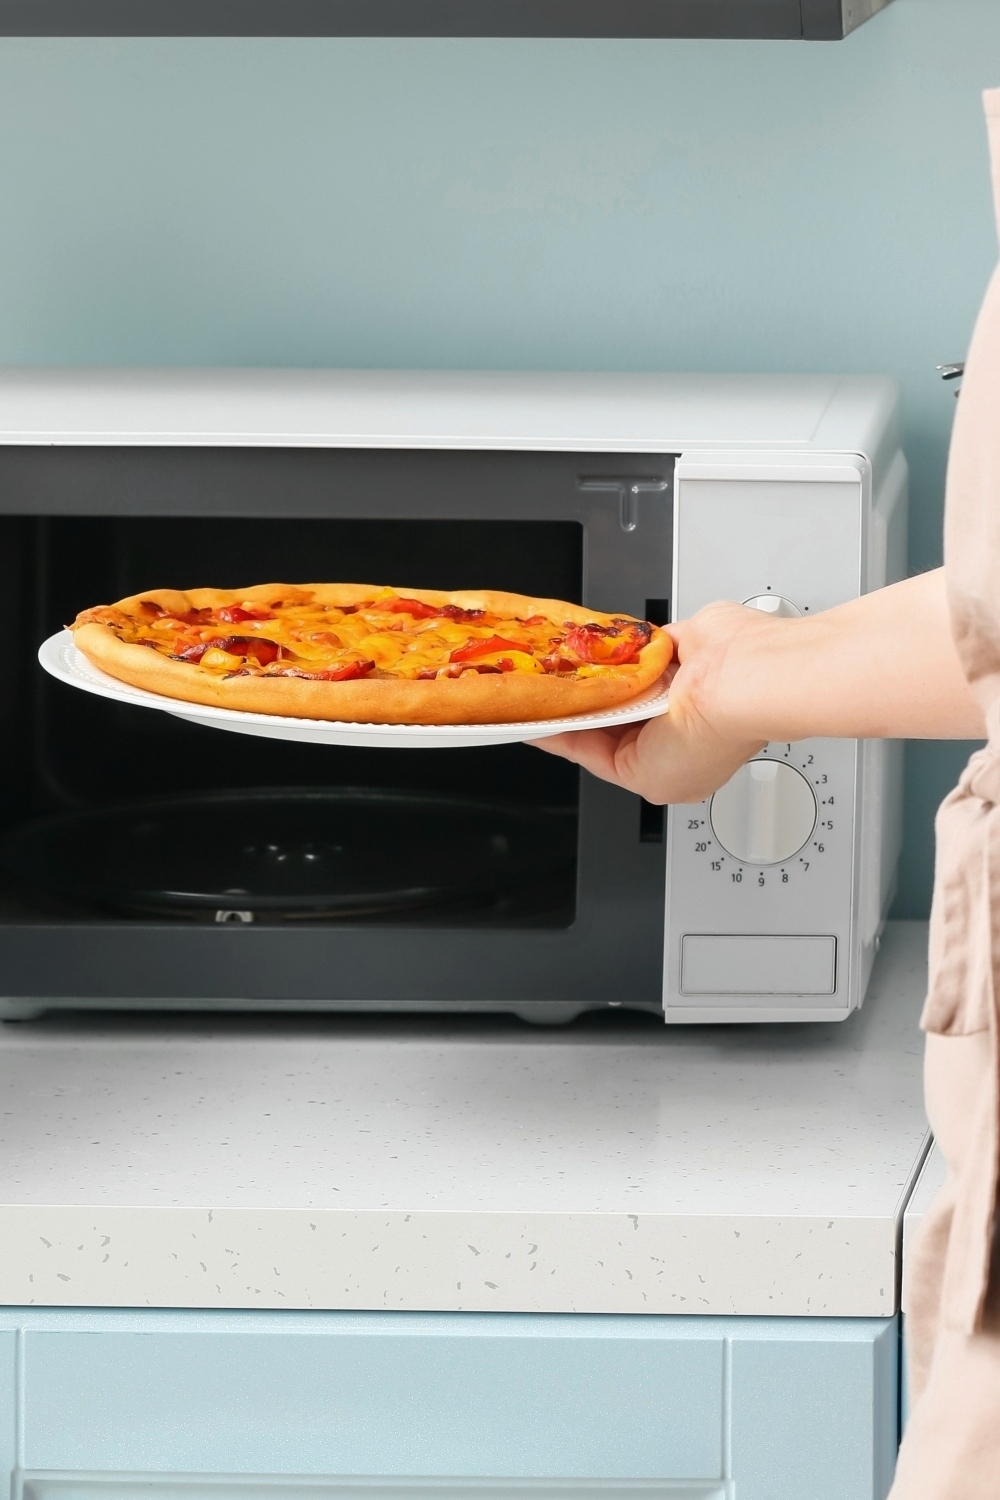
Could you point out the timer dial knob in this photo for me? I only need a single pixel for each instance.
(774, 604)
(765, 814)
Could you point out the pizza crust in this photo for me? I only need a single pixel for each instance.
(474, 698)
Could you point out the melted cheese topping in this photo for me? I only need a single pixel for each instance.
(388, 635)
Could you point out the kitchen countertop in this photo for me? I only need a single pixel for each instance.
(465, 1163)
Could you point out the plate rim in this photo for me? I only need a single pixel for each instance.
(78, 672)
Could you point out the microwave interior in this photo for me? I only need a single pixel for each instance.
(147, 860)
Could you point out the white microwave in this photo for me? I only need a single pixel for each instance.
(479, 880)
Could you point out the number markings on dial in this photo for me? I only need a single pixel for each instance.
(807, 765)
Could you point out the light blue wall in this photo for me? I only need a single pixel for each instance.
(632, 205)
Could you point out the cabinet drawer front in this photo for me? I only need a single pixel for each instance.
(422, 1404)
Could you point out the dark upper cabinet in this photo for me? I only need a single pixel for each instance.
(809, 20)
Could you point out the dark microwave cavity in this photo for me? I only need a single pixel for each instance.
(259, 830)
(297, 854)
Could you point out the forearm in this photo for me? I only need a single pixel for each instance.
(884, 665)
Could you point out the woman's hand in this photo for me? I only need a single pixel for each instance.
(882, 666)
(687, 754)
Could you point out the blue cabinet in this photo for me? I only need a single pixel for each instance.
(383, 1406)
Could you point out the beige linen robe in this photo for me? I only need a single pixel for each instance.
(951, 1449)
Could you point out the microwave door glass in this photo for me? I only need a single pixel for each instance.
(149, 862)
(138, 814)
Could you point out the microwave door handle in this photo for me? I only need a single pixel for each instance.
(628, 490)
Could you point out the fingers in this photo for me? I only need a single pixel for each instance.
(688, 753)
(661, 760)
(593, 749)
(630, 757)
(679, 761)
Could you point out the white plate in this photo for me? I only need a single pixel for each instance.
(59, 656)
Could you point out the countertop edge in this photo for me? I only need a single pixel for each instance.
(748, 1266)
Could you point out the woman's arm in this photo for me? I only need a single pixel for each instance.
(882, 666)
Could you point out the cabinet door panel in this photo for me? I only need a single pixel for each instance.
(262, 1403)
(815, 1419)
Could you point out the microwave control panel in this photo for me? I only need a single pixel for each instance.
(762, 878)
(761, 885)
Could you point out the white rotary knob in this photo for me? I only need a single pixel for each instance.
(765, 813)
(774, 604)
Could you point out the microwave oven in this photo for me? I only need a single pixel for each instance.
(149, 863)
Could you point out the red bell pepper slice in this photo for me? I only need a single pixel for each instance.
(472, 649)
(189, 653)
(263, 651)
(421, 611)
(345, 673)
(412, 607)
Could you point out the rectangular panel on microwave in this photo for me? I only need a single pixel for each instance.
(758, 965)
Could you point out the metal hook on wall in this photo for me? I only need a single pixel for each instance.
(952, 372)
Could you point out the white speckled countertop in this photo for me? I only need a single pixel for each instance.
(618, 1166)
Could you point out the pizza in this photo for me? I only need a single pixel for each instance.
(366, 654)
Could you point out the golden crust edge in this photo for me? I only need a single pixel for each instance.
(479, 699)
(494, 600)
